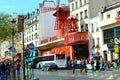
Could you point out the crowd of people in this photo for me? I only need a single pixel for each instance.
(6, 69)
(97, 63)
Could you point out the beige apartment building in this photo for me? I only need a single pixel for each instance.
(89, 19)
(110, 26)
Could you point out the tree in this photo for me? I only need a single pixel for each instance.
(5, 27)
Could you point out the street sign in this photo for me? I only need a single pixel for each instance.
(13, 50)
(31, 47)
(116, 48)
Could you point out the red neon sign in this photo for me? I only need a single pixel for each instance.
(117, 18)
(75, 37)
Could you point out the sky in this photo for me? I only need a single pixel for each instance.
(22, 6)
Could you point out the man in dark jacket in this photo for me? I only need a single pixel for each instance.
(3, 70)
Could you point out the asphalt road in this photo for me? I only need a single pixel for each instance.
(68, 75)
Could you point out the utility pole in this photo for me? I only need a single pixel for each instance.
(14, 74)
(24, 78)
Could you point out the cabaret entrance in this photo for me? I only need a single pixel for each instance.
(80, 43)
(80, 51)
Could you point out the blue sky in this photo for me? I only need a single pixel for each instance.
(22, 6)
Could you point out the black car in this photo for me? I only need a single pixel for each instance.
(49, 67)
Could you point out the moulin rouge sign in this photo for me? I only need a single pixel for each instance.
(117, 18)
(75, 37)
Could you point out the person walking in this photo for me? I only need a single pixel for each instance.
(18, 69)
(85, 62)
(3, 70)
(8, 67)
(95, 64)
(73, 66)
(92, 64)
(101, 63)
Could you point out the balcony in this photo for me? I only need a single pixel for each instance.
(50, 43)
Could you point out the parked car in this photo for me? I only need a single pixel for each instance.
(89, 66)
(49, 67)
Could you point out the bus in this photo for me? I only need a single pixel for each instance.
(59, 59)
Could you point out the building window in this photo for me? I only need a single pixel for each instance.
(97, 29)
(76, 3)
(77, 16)
(92, 30)
(108, 35)
(32, 28)
(108, 16)
(82, 28)
(29, 38)
(35, 35)
(81, 15)
(36, 27)
(86, 27)
(98, 41)
(32, 37)
(29, 30)
(72, 6)
(93, 41)
(86, 14)
(85, 2)
(80, 3)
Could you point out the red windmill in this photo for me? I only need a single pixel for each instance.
(61, 17)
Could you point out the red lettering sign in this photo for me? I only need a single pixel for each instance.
(117, 17)
(75, 37)
(117, 41)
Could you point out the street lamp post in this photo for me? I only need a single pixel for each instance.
(24, 17)
(13, 21)
(24, 78)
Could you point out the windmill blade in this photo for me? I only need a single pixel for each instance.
(47, 9)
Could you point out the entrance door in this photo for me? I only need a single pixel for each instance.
(81, 50)
(105, 55)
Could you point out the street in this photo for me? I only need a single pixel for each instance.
(68, 75)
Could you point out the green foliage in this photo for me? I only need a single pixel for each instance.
(5, 27)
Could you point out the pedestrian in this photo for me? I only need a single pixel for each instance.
(85, 62)
(73, 66)
(3, 70)
(8, 70)
(18, 69)
(101, 63)
(79, 63)
(92, 64)
(95, 64)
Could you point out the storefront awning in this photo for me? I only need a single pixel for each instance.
(51, 44)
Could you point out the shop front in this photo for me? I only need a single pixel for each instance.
(112, 40)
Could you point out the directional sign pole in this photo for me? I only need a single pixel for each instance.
(32, 48)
